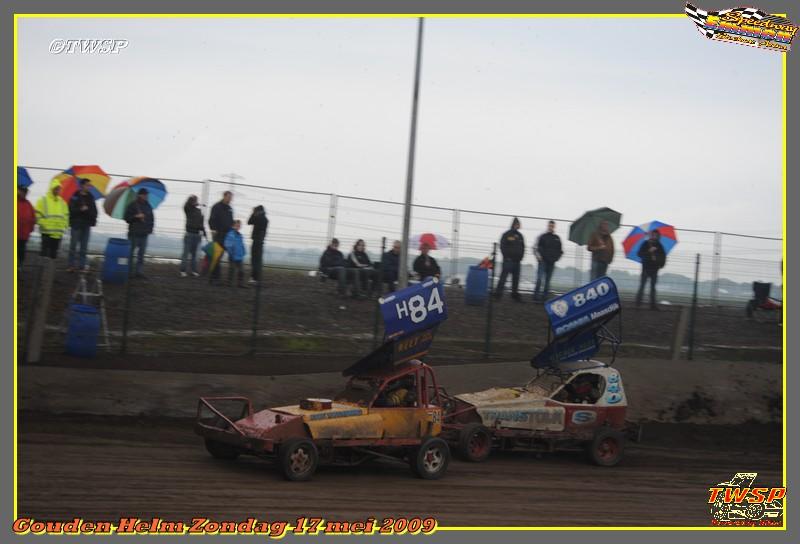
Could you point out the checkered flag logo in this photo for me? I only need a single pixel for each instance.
(699, 16)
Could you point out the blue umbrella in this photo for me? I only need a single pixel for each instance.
(23, 178)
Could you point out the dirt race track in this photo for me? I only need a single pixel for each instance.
(104, 469)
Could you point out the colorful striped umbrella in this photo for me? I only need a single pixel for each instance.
(69, 181)
(640, 234)
(435, 241)
(23, 178)
(213, 251)
(123, 194)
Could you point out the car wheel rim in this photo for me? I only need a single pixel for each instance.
(300, 461)
(607, 449)
(433, 460)
(478, 444)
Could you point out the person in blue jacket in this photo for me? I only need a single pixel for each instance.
(234, 246)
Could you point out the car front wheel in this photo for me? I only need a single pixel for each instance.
(429, 461)
(474, 443)
(298, 459)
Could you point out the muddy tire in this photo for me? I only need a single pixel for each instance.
(429, 461)
(607, 448)
(298, 459)
(474, 443)
(220, 450)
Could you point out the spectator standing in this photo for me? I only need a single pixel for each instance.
(424, 265)
(332, 264)
(139, 216)
(52, 215)
(653, 259)
(26, 220)
(195, 230)
(82, 217)
(362, 270)
(512, 246)
(260, 223)
(220, 222)
(602, 247)
(234, 245)
(390, 266)
(547, 251)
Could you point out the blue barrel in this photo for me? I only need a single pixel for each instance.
(82, 331)
(477, 285)
(115, 265)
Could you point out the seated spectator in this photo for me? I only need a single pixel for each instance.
(363, 273)
(332, 265)
(425, 265)
(390, 265)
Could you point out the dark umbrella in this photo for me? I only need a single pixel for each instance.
(582, 228)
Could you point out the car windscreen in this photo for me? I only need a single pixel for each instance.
(358, 391)
(545, 384)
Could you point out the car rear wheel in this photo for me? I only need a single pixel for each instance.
(220, 450)
(607, 448)
(474, 443)
(298, 459)
(429, 461)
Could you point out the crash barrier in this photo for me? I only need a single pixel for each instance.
(82, 331)
(291, 317)
(477, 286)
(708, 393)
(115, 261)
(302, 223)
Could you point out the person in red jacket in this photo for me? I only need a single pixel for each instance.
(26, 219)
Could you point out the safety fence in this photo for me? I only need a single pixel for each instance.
(292, 313)
(302, 223)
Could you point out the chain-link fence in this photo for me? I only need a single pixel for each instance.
(294, 316)
(302, 223)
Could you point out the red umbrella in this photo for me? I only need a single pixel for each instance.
(435, 241)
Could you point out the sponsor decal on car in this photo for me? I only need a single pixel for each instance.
(583, 417)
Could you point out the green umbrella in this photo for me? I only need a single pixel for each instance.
(583, 227)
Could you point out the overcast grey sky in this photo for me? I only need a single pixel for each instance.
(532, 116)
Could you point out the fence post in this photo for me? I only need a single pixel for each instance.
(692, 315)
(578, 276)
(256, 316)
(332, 217)
(488, 345)
(123, 348)
(206, 192)
(454, 245)
(715, 268)
(35, 336)
(378, 280)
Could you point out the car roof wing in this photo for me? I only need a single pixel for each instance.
(392, 352)
(408, 330)
(578, 324)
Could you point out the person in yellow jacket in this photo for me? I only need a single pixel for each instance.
(52, 216)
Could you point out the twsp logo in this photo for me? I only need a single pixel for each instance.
(84, 46)
(739, 502)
